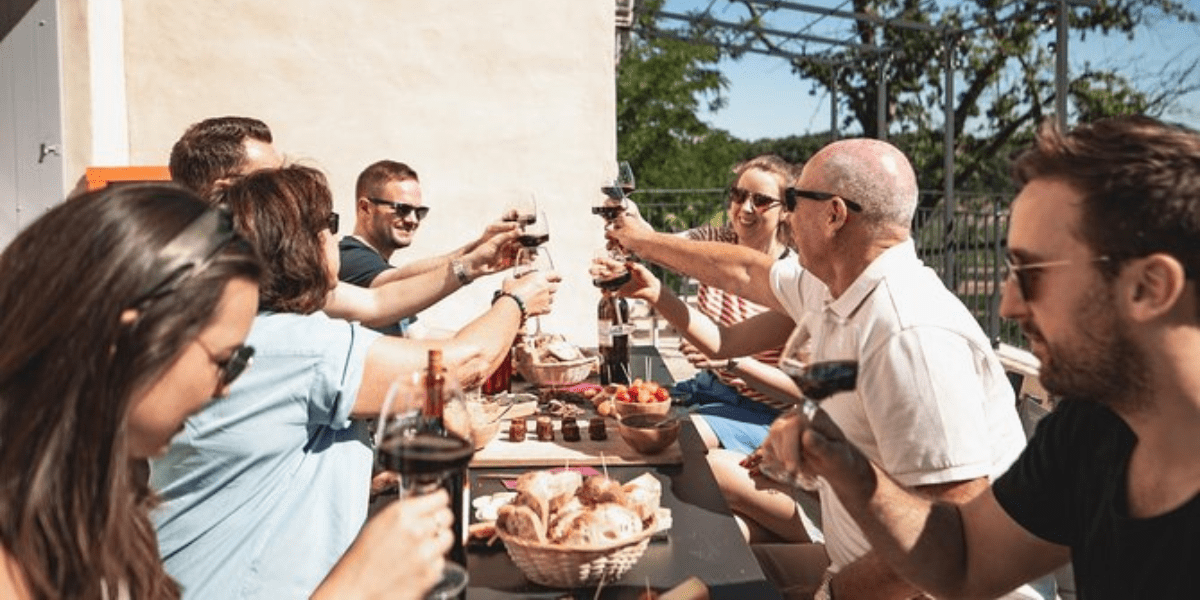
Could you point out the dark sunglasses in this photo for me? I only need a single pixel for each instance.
(791, 194)
(1025, 275)
(332, 222)
(230, 368)
(739, 195)
(402, 209)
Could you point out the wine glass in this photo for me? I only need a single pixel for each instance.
(821, 356)
(625, 178)
(611, 203)
(606, 277)
(521, 207)
(429, 452)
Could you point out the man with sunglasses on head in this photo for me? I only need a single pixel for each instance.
(1104, 252)
(388, 209)
(933, 406)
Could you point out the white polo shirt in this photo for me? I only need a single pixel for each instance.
(933, 404)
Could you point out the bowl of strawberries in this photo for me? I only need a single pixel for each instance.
(641, 398)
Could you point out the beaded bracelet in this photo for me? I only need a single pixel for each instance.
(520, 303)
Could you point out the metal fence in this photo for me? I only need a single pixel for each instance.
(965, 248)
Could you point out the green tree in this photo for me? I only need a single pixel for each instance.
(1004, 66)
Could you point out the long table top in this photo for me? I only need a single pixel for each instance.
(704, 540)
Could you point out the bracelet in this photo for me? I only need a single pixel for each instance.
(460, 272)
(520, 303)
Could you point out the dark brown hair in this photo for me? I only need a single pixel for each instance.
(371, 181)
(73, 515)
(1140, 181)
(282, 212)
(213, 149)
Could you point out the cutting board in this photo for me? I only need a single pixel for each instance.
(531, 453)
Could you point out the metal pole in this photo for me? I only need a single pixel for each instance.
(881, 97)
(833, 104)
(948, 201)
(1060, 71)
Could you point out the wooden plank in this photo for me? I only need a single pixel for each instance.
(531, 453)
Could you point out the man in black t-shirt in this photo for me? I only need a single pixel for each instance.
(388, 209)
(1103, 260)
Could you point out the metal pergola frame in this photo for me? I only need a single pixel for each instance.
(766, 36)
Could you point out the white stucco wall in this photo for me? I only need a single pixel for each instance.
(480, 97)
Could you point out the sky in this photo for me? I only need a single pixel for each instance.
(765, 99)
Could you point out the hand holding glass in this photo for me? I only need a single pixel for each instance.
(836, 370)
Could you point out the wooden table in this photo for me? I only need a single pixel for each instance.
(703, 541)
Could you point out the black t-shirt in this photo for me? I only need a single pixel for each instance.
(361, 264)
(1069, 487)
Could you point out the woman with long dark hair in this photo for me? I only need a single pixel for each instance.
(121, 313)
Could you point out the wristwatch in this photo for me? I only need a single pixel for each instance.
(460, 272)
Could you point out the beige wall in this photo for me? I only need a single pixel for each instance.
(480, 97)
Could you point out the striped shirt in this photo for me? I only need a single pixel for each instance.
(727, 309)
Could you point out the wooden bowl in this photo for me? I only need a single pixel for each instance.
(649, 433)
(628, 409)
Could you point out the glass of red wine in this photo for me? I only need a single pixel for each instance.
(607, 276)
(521, 207)
(611, 202)
(430, 452)
(821, 357)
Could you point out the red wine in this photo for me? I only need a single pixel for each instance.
(612, 326)
(613, 283)
(533, 241)
(425, 453)
(608, 211)
(522, 220)
(821, 380)
(614, 192)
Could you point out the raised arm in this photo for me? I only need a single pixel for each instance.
(733, 268)
(766, 330)
(475, 351)
(482, 256)
(403, 297)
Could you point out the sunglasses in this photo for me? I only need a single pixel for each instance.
(332, 222)
(1025, 275)
(230, 368)
(791, 194)
(739, 195)
(402, 209)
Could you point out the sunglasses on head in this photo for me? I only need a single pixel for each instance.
(1026, 274)
(739, 195)
(332, 222)
(791, 194)
(402, 209)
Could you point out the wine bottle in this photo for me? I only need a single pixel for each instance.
(455, 467)
(613, 328)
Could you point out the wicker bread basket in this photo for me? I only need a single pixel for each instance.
(568, 372)
(555, 565)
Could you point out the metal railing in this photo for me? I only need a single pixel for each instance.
(967, 250)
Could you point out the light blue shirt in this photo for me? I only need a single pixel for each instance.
(266, 488)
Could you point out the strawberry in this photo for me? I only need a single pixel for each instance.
(622, 396)
(662, 394)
